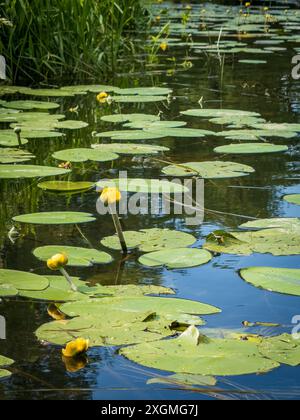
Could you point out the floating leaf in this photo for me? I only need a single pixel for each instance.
(257, 133)
(147, 91)
(71, 125)
(282, 349)
(40, 134)
(138, 99)
(176, 258)
(149, 240)
(181, 379)
(280, 280)
(7, 290)
(5, 361)
(251, 148)
(9, 139)
(55, 218)
(128, 290)
(156, 125)
(123, 118)
(130, 149)
(181, 132)
(23, 281)
(84, 155)
(208, 170)
(4, 374)
(131, 135)
(217, 357)
(27, 105)
(293, 199)
(14, 156)
(145, 186)
(253, 61)
(214, 113)
(29, 171)
(65, 186)
(78, 257)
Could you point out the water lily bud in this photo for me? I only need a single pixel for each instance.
(102, 97)
(76, 347)
(110, 196)
(57, 261)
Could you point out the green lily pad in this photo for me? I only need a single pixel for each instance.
(199, 356)
(169, 308)
(66, 186)
(138, 99)
(277, 237)
(130, 149)
(7, 290)
(181, 379)
(9, 139)
(131, 135)
(5, 361)
(208, 170)
(147, 91)
(23, 281)
(29, 171)
(282, 349)
(55, 218)
(58, 291)
(250, 148)
(146, 186)
(14, 156)
(293, 199)
(51, 93)
(215, 113)
(181, 132)
(176, 258)
(27, 105)
(156, 125)
(237, 120)
(128, 290)
(71, 125)
(149, 240)
(80, 89)
(289, 127)
(84, 155)
(123, 118)
(4, 374)
(258, 133)
(253, 61)
(41, 134)
(78, 257)
(280, 280)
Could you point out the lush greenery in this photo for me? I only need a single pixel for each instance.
(43, 38)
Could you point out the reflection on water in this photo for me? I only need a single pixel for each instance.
(40, 372)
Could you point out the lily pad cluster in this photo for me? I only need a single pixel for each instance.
(5, 362)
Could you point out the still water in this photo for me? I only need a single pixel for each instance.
(268, 89)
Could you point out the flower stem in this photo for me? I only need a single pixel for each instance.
(68, 278)
(119, 229)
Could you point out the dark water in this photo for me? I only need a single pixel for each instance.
(39, 372)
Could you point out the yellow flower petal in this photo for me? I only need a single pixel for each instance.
(110, 195)
(76, 347)
(57, 261)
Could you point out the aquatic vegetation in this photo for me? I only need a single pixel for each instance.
(251, 148)
(176, 258)
(66, 186)
(76, 347)
(55, 218)
(293, 199)
(84, 155)
(4, 363)
(280, 280)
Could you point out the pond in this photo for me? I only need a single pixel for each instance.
(233, 60)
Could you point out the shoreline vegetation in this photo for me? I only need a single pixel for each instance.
(43, 40)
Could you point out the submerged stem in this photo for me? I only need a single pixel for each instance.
(119, 229)
(68, 278)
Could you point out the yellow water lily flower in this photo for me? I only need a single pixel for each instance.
(57, 261)
(76, 347)
(110, 195)
(163, 46)
(102, 97)
(65, 165)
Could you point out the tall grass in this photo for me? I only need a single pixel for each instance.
(53, 38)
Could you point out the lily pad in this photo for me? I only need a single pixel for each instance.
(9, 139)
(293, 199)
(280, 280)
(176, 258)
(130, 149)
(208, 170)
(84, 155)
(28, 105)
(7, 290)
(55, 218)
(5, 361)
(66, 186)
(181, 379)
(131, 135)
(181, 132)
(215, 113)
(193, 354)
(147, 91)
(29, 171)
(4, 374)
(156, 125)
(138, 99)
(251, 148)
(78, 257)
(145, 186)
(149, 240)
(282, 349)
(14, 156)
(71, 125)
(22, 280)
(123, 118)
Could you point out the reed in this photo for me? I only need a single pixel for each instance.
(44, 39)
